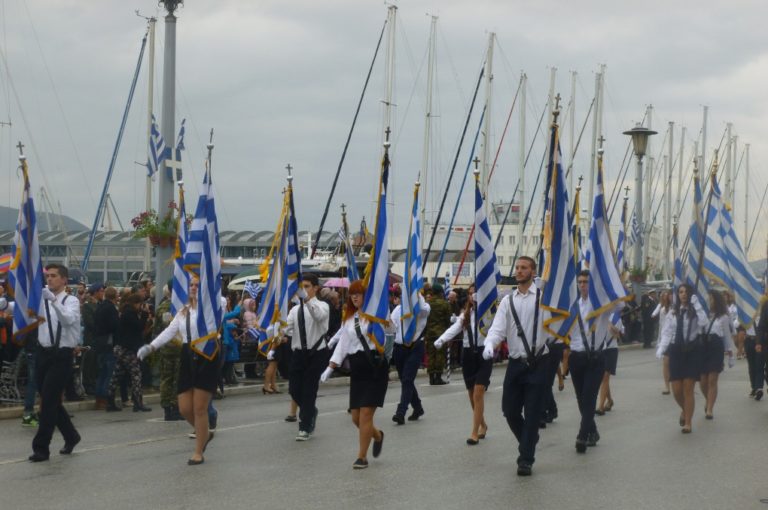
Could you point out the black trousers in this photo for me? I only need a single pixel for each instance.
(303, 381)
(586, 374)
(522, 402)
(550, 406)
(53, 370)
(755, 363)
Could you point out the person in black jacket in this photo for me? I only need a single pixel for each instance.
(128, 339)
(106, 319)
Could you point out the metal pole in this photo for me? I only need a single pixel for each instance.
(678, 203)
(150, 107)
(571, 138)
(746, 197)
(427, 125)
(593, 157)
(646, 220)
(729, 166)
(487, 125)
(668, 165)
(638, 256)
(165, 178)
(703, 165)
(521, 200)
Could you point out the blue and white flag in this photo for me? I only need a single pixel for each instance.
(695, 247)
(253, 289)
(26, 270)
(289, 264)
(679, 271)
(158, 152)
(376, 300)
(606, 289)
(635, 233)
(203, 260)
(487, 275)
(558, 269)
(349, 254)
(180, 282)
(414, 279)
(621, 241)
(725, 261)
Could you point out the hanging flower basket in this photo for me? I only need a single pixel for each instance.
(638, 275)
(161, 241)
(160, 231)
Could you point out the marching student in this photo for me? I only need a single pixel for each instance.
(520, 321)
(369, 374)
(661, 311)
(307, 329)
(58, 339)
(717, 341)
(476, 369)
(408, 360)
(680, 340)
(198, 376)
(588, 363)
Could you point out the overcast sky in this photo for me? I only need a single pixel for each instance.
(279, 82)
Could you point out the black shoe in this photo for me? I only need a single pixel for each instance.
(291, 418)
(192, 462)
(758, 395)
(439, 380)
(38, 457)
(68, 447)
(593, 438)
(360, 464)
(581, 446)
(542, 424)
(599, 412)
(416, 414)
(399, 419)
(472, 442)
(172, 414)
(142, 408)
(377, 445)
(523, 469)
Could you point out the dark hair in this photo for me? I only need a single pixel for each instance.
(529, 259)
(583, 272)
(311, 278)
(691, 311)
(61, 270)
(719, 307)
(110, 294)
(130, 301)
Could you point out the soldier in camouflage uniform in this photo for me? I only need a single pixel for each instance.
(439, 320)
(169, 357)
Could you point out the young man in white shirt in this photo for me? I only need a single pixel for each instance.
(520, 321)
(59, 337)
(307, 328)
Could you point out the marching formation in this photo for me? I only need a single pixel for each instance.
(563, 317)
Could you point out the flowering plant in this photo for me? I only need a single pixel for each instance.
(150, 224)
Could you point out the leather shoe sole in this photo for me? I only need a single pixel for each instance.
(38, 457)
(524, 470)
(68, 447)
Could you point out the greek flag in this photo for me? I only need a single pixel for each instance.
(352, 273)
(253, 289)
(157, 149)
(26, 270)
(447, 289)
(265, 315)
(376, 301)
(414, 279)
(578, 251)
(289, 262)
(180, 283)
(203, 260)
(635, 234)
(616, 316)
(486, 270)
(679, 271)
(605, 287)
(724, 259)
(559, 271)
(180, 140)
(695, 245)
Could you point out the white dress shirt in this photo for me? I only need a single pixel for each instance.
(178, 329)
(602, 335)
(721, 327)
(421, 320)
(65, 310)
(504, 327)
(698, 322)
(348, 341)
(458, 326)
(316, 315)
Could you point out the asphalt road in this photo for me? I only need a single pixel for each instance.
(134, 460)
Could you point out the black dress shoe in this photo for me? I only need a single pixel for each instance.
(472, 442)
(524, 469)
(142, 408)
(38, 457)
(290, 418)
(193, 462)
(399, 419)
(68, 447)
(416, 414)
(377, 445)
(593, 438)
(581, 446)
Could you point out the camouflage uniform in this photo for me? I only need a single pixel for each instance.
(169, 357)
(439, 320)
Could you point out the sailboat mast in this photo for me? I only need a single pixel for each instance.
(703, 160)
(487, 121)
(746, 195)
(427, 125)
(729, 167)
(678, 202)
(389, 87)
(571, 138)
(150, 106)
(647, 226)
(595, 134)
(668, 164)
(521, 200)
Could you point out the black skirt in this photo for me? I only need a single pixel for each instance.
(712, 354)
(197, 372)
(684, 364)
(611, 360)
(367, 384)
(476, 369)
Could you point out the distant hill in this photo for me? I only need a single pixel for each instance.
(9, 216)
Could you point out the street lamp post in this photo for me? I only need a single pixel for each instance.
(639, 136)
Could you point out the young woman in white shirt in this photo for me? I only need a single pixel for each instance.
(475, 369)
(717, 342)
(661, 311)
(369, 373)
